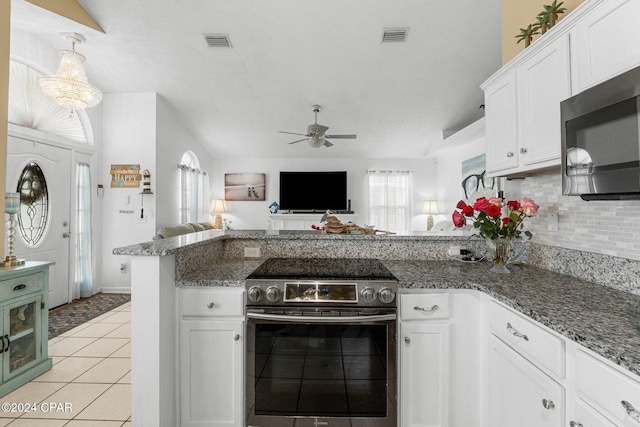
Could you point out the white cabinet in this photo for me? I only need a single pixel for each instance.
(607, 42)
(522, 105)
(424, 361)
(211, 357)
(519, 393)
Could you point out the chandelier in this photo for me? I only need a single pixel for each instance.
(69, 87)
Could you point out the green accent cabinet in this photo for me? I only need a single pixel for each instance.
(24, 324)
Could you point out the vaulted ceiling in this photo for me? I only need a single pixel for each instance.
(286, 56)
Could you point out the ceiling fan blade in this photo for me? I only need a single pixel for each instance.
(341, 136)
(327, 143)
(300, 140)
(293, 133)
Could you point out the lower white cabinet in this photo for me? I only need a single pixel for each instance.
(211, 360)
(519, 393)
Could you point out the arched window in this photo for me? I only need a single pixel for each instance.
(190, 188)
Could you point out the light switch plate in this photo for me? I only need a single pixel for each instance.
(552, 221)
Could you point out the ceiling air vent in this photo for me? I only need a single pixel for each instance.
(217, 40)
(392, 35)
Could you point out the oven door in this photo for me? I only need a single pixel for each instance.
(314, 368)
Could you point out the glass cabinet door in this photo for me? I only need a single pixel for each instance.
(21, 340)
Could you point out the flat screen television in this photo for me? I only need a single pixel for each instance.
(313, 191)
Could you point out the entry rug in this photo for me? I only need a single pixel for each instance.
(77, 312)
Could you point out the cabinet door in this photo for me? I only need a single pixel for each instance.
(607, 42)
(425, 377)
(586, 416)
(543, 81)
(211, 371)
(22, 334)
(501, 124)
(519, 393)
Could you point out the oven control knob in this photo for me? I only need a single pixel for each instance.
(273, 294)
(386, 295)
(368, 295)
(255, 294)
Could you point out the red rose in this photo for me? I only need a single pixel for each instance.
(505, 221)
(467, 211)
(458, 219)
(513, 204)
(493, 211)
(481, 204)
(461, 204)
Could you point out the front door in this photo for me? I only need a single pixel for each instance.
(53, 242)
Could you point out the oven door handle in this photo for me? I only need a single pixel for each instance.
(324, 319)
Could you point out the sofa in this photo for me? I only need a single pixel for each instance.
(180, 229)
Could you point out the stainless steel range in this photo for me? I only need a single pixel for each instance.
(321, 344)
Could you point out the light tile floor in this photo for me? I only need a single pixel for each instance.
(91, 374)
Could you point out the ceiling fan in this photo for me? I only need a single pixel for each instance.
(316, 133)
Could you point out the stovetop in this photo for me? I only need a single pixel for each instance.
(322, 269)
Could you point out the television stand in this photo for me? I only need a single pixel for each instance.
(303, 221)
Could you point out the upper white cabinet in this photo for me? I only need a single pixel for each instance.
(523, 111)
(607, 42)
(598, 40)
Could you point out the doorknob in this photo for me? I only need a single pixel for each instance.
(66, 235)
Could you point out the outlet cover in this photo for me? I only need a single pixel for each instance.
(552, 221)
(252, 252)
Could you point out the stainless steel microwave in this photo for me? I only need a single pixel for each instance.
(601, 140)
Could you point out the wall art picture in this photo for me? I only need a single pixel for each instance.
(125, 176)
(244, 186)
(475, 183)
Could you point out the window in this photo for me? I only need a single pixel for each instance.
(34, 204)
(190, 184)
(83, 282)
(390, 200)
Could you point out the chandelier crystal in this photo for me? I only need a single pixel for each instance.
(69, 87)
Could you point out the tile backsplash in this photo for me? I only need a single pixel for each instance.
(604, 227)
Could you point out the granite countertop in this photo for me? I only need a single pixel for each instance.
(603, 319)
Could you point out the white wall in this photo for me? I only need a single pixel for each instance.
(253, 215)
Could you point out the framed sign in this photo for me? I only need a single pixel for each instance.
(125, 176)
(244, 186)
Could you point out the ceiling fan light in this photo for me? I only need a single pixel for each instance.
(316, 141)
(69, 87)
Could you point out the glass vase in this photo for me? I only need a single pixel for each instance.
(499, 251)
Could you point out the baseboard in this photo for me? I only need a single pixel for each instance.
(114, 290)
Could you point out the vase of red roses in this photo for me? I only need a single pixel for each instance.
(500, 224)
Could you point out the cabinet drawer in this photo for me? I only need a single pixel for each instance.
(424, 306)
(605, 388)
(211, 302)
(532, 341)
(19, 286)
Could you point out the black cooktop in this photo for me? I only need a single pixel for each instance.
(322, 268)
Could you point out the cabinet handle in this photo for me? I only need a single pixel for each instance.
(8, 343)
(407, 340)
(635, 415)
(523, 151)
(515, 332)
(210, 305)
(548, 404)
(19, 287)
(509, 153)
(428, 309)
(236, 337)
(575, 424)
(3, 346)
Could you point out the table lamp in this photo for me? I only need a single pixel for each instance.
(12, 207)
(430, 207)
(218, 207)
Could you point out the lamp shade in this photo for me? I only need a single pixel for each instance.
(218, 206)
(430, 207)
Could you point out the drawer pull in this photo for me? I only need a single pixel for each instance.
(428, 309)
(210, 305)
(575, 424)
(515, 332)
(20, 287)
(635, 415)
(407, 340)
(548, 404)
(236, 337)
(509, 153)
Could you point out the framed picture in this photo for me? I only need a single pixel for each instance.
(244, 186)
(475, 183)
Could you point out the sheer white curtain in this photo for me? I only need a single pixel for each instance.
(390, 200)
(190, 185)
(83, 283)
